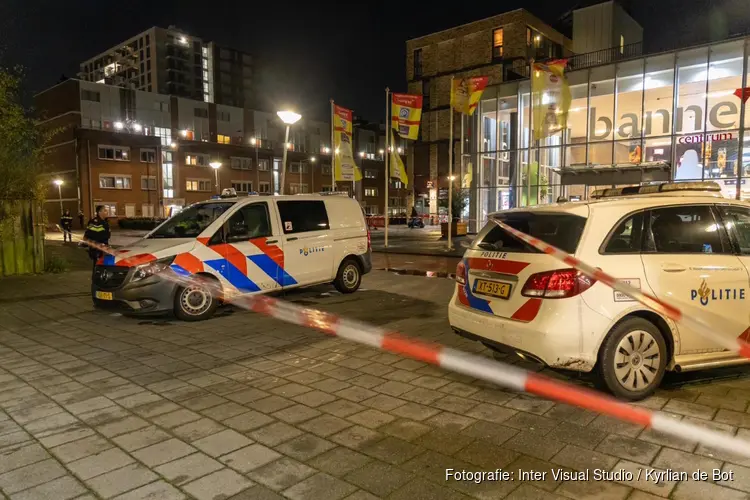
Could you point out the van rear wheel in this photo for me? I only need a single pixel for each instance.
(196, 300)
(633, 359)
(349, 276)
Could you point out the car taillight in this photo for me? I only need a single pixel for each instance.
(559, 284)
(461, 273)
(369, 239)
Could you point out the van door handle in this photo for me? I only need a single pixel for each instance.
(293, 238)
(673, 268)
(271, 241)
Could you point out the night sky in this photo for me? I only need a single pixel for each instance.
(310, 51)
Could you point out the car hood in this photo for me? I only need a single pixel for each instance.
(148, 250)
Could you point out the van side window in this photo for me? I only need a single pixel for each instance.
(250, 221)
(303, 216)
(737, 220)
(684, 229)
(627, 237)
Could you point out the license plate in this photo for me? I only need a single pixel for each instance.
(493, 288)
(103, 295)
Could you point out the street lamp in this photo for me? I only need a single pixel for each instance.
(289, 118)
(216, 165)
(59, 183)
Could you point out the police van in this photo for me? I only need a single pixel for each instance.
(681, 242)
(230, 245)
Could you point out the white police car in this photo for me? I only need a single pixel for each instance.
(237, 245)
(681, 242)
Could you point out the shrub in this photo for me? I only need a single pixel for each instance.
(141, 223)
(55, 264)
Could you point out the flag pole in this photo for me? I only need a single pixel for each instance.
(450, 174)
(461, 178)
(387, 157)
(333, 150)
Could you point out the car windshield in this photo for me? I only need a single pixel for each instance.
(558, 229)
(192, 221)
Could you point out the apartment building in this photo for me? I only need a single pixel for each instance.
(145, 154)
(170, 61)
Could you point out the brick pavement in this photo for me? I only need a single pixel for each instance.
(94, 405)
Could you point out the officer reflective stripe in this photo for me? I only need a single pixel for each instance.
(97, 229)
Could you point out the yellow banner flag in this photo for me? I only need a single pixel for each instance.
(466, 92)
(344, 167)
(398, 169)
(550, 97)
(406, 113)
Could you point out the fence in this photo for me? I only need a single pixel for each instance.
(21, 237)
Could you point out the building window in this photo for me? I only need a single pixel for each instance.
(90, 95)
(297, 167)
(118, 153)
(418, 63)
(242, 186)
(298, 188)
(200, 112)
(148, 66)
(109, 208)
(239, 163)
(371, 191)
(263, 166)
(148, 77)
(264, 187)
(371, 174)
(325, 169)
(497, 43)
(397, 184)
(622, 44)
(165, 134)
(199, 160)
(148, 183)
(114, 181)
(148, 39)
(222, 116)
(148, 155)
(197, 185)
(223, 139)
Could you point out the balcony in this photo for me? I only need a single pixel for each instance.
(605, 56)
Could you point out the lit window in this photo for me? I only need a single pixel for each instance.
(223, 139)
(371, 191)
(148, 155)
(622, 44)
(497, 43)
(242, 186)
(114, 182)
(371, 174)
(197, 185)
(263, 165)
(118, 153)
(196, 159)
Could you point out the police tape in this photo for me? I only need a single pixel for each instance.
(670, 311)
(479, 367)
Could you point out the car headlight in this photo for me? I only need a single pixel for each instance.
(149, 269)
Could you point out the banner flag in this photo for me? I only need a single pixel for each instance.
(406, 114)
(398, 169)
(550, 97)
(344, 167)
(466, 92)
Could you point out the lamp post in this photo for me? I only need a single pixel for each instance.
(289, 118)
(309, 161)
(254, 143)
(216, 165)
(59, 183)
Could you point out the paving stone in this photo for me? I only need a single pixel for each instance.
(535, 445)
(393, 450)
(483, 454)
(282, 473)
(356, 437)
(141, 438)
(224, 411)
(422, 396)
(378, 478)
(14, 438)
(384, 402)
(197, 429)
(443, 441)
(250, 457)
(593, 490)
(305, 447)
(629, 449)
(578, 458)
(222, 442)
(127, 424)
(341, 408)
(735, 418)
(189, 468)
(614, 426)
(339, 461)
(100, 463)
(414, 411)
(330, 385)
(490, 412)
(155, 409)
(407, 430)
(62, 488)
(175, 418)
(275, 433)
(290, 390)
(121, 480)
(30, 475)
(296, 414)
(203, 402)
(20, 455)
(314, 399)
(248, 421)
(690, 409)
(356, 394)
(371, 418)
(421, 489)
(571, 414)
(701, 490)
(640, 481)
(50, 425)
(320, 486)
(739, 477)
(578, 435)
(270, 404)
(76, 450)
(528, 491)
(430, 382)
(220, 484)
(530, 405)
(489, 432)
(325, 425)
(450, 421)
(88, 405)
(163, 452)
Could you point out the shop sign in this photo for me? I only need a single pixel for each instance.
(698, 138)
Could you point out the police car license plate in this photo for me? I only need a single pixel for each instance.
(493, 288)
(104, 295)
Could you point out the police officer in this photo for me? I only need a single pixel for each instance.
(66, 223)
(97, 230)
(80, 218)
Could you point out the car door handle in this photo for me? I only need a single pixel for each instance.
(293, 238)
(268, 242)
(673, 268)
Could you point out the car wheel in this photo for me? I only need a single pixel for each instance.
(349, 276)
(632, 359)
(197, 300)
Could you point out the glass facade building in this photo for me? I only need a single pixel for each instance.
(685, 108)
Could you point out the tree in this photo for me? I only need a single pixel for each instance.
(21, 143)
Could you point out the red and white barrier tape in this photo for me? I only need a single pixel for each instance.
(670, 311)
(504, 375)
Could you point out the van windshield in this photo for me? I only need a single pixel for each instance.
(559, 229)
(192, 221)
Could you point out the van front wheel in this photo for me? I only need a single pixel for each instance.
(197, 300)
(349, 276)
